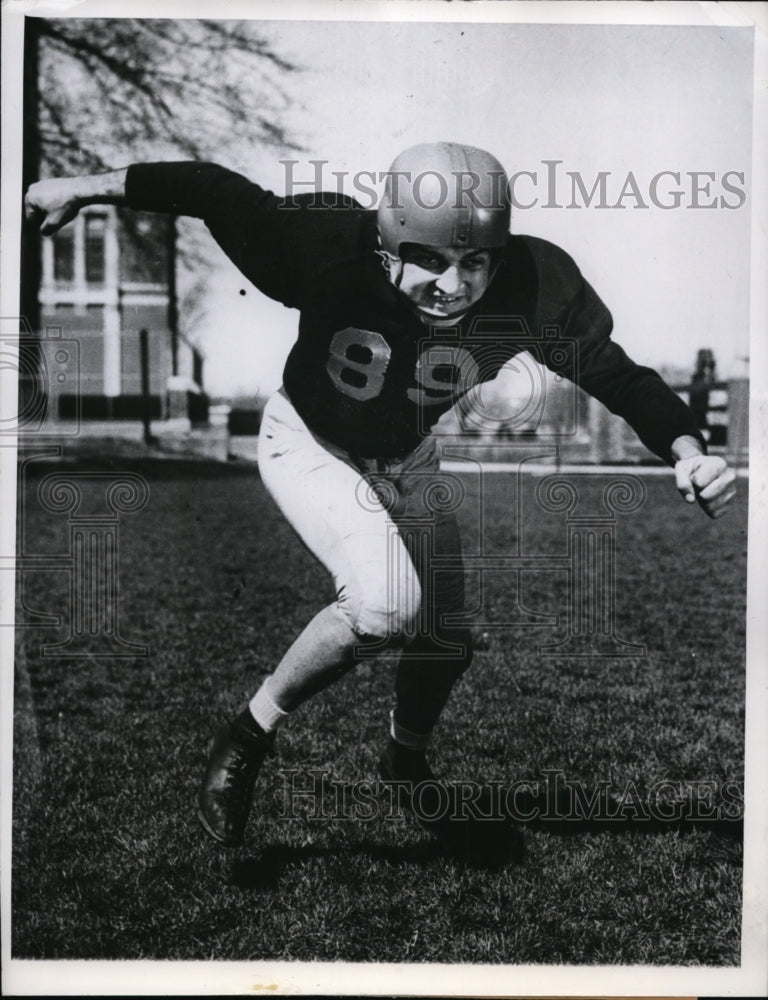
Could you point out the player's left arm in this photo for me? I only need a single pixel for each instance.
(703, 478)
(662, 421)
(635, 392)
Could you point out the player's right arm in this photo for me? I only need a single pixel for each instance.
(51, 204)
(278, 244)
(226, 200)
(241, 216)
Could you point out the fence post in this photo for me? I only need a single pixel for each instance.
(146, 400)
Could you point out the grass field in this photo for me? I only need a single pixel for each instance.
(108, 858)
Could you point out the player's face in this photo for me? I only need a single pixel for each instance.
(443, 281)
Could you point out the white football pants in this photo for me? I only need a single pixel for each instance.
(380, 527)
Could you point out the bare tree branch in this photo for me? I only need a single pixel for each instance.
(112, 91)
(189, 86)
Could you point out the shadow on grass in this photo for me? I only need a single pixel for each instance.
(264, 870)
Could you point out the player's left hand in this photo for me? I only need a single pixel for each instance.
(707, 479)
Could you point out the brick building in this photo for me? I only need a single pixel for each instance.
(106, 276)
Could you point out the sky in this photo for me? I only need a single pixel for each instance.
(622, 100)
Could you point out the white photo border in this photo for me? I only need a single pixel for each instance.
(277, 978)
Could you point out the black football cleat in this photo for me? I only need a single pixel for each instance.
(236, 754)
(401, 764)
(466, 819)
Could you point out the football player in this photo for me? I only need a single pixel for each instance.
(402, 311)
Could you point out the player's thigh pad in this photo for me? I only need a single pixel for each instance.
(339, 519)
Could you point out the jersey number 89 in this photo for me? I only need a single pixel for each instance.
(358, 362)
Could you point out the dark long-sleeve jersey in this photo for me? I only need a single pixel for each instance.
(365, 372)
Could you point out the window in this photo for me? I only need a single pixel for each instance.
(94, 316)
(95, 229)
(64, 256)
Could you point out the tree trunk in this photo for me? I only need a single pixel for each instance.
(31, 269)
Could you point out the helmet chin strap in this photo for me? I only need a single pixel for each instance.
(393, 266)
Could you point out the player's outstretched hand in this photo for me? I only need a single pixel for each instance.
(707, 479)
(53, 203)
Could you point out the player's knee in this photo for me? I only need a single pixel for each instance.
(381, 609)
